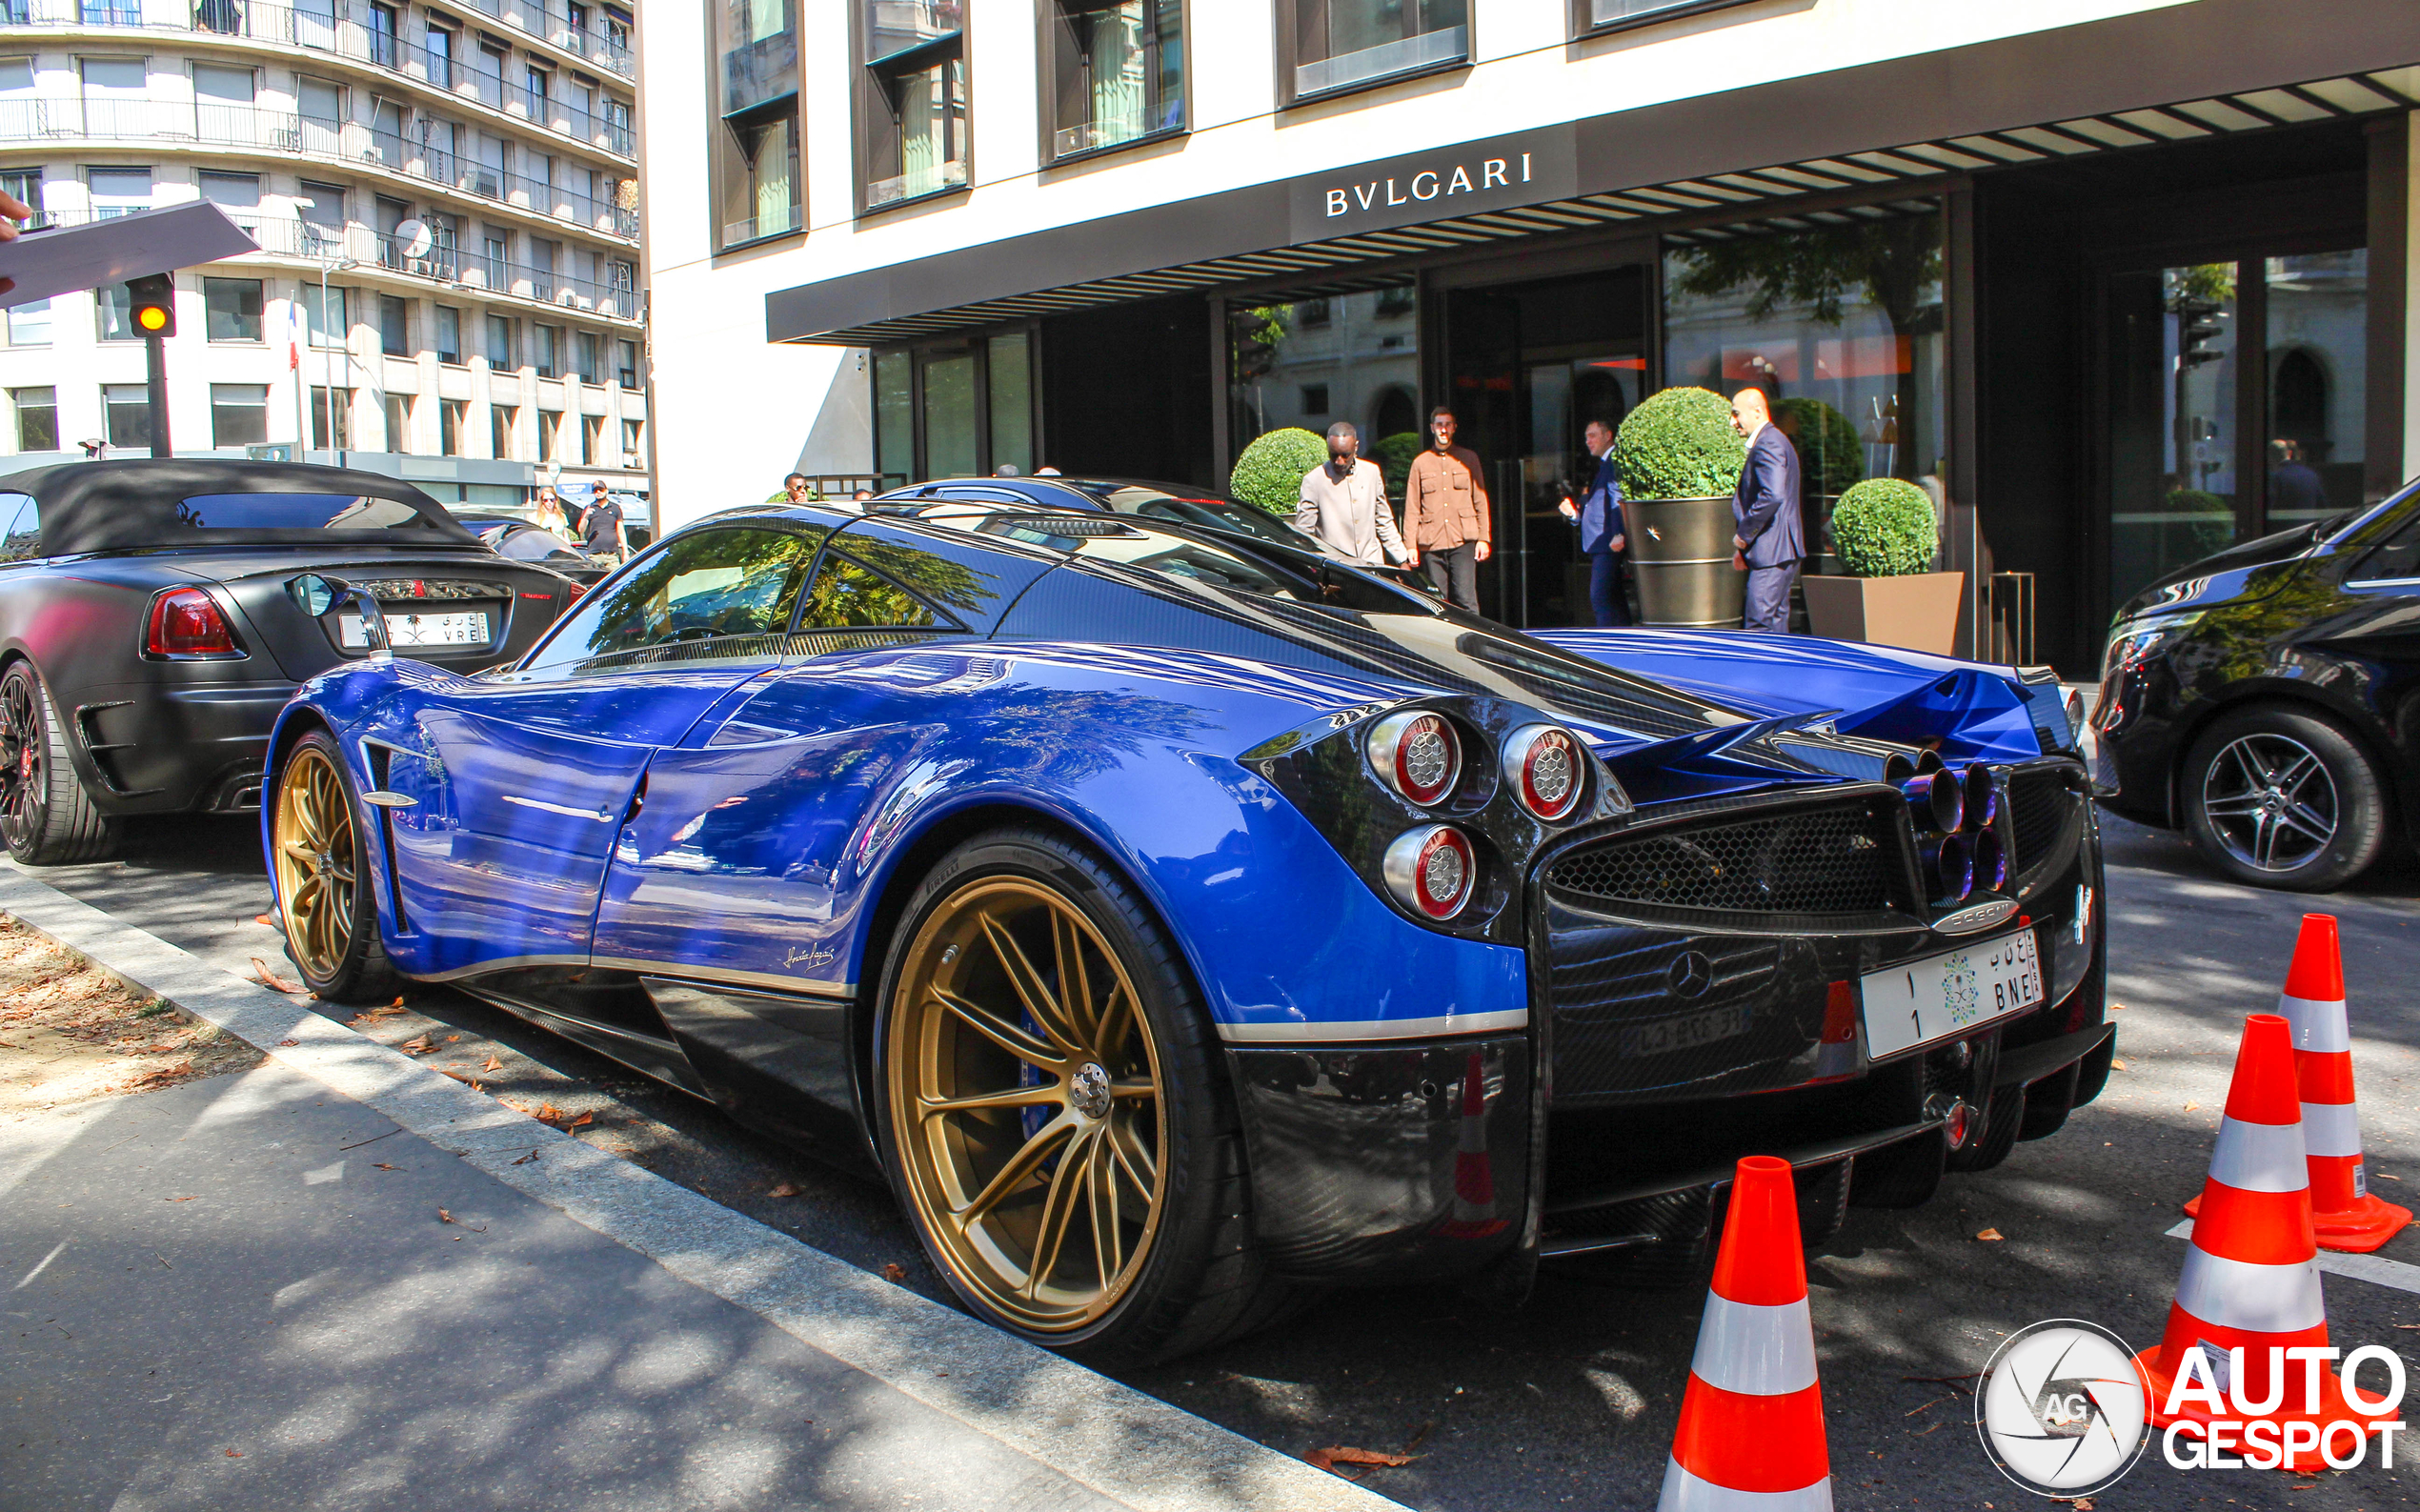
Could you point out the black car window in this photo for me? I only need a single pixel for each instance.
(850, 595)
(20, 527)
(1210, 513)
(293, 512)
(2398, 558)
(703, 595)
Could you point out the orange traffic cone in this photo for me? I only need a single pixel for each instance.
(1474, 1178)
(1751, 1433)
(2249, 1290)
(2345, 1214)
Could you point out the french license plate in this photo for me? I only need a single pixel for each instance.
(1683, 1032)
(419, 630)
(1951, 993)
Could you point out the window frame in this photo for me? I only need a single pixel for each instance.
(260, 312)
(216, 439)
(1288, 48)
(17, 407)
(871, 90)
(1046, 14)
(918, 355)
(723, 123)
(1584, 25)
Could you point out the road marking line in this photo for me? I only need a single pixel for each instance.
(2396, 1274)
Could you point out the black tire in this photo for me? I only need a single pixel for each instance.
(1202, 1279)
(2262, 786)
(46, 815)
(358, 972)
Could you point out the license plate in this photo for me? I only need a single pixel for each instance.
(1685, 1032)
(419, 630)
(1950, 994)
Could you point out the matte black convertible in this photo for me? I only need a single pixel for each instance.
(156, 617)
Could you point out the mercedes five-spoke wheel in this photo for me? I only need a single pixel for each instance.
(46, 817)
(1052, 1118)
(2283, 799)
(323, 896)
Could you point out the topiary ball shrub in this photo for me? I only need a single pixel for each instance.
(1831, 453)
(1393, 454)
(1884, 528)
(1269, 473)
(1679, 444)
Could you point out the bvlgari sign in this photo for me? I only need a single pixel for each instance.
(1437, 185)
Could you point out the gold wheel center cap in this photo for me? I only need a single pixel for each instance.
(1088, 1090)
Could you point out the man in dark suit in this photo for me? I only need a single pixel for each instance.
(1769, 540)
(1602, 536)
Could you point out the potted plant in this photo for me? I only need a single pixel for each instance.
(1885, 535)
(1831, 457)
(1679, 462)
(1270, 471)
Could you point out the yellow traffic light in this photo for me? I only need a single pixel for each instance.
(151, 303)
(150, 317)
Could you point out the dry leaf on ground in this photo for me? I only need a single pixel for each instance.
(1330, 1458)
(265, 921)
(783, 1189)
(2117, 1065)
(262, 974)
(1990, 1236)
(381, 1165)
(2191, 1107)
(75, 1033)
(893, 1271)
(494, 1064)
(416, 1046)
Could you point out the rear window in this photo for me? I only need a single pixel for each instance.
(300, 512)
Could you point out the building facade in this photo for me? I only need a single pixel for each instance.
(2122, 281)
(445, 204)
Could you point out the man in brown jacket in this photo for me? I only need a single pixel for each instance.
(1446, 516)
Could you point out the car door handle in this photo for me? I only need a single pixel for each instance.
(601, 815)
(382, 798)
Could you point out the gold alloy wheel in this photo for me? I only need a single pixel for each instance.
(1025, 1102)
(316, 859)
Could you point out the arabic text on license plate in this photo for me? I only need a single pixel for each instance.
(422, 630)
(1683, 1032)
(1951, 993)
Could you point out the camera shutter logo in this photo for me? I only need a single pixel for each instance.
(2062, 1409)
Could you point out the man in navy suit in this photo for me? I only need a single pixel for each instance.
(1768, 542)
(1602, 536)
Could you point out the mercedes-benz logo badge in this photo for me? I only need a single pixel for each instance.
(1690, 976)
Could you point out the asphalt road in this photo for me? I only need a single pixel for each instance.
(1571, 1400)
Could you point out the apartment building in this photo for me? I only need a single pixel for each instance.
(2083, 265)
(445, 204)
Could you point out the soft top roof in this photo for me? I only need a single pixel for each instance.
(135, 504)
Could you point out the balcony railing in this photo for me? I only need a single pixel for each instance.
(340, 27)
(253, 127)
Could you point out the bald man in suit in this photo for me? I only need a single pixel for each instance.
(1769, 541)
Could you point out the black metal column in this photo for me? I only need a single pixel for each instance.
(155, 366)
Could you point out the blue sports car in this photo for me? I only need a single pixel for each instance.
(1182, 921)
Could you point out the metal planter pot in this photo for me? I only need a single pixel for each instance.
(1681, 550)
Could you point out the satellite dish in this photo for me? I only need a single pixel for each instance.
(415, 238)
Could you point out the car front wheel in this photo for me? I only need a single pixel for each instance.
(1054, 1120)
(2281, 799)
(46, 817)
(324, 898)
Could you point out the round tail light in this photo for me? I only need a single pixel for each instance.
(1991, 864)
(1982, 795)
(1544, 769)
(1431, 870)
(1950, 868)
(1938, 803)
(1416, 755)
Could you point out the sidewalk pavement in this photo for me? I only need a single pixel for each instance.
(343, 1280)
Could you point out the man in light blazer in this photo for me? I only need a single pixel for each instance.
(1768, 539)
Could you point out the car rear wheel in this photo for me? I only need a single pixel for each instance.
(2281, 799)
(324, 899)
(46, 817)
(1054, 1117)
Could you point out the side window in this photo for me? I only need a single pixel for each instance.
(2399, 557)
(850, 595)
(20, 527)
(698, 591)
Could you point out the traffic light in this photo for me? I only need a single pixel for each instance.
(2197, 324)
(152, 305)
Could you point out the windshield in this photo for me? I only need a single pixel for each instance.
(291, 512)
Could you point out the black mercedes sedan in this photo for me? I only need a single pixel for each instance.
(157, 615)
(2266, 700)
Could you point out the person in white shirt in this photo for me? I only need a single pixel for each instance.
(1343, 503)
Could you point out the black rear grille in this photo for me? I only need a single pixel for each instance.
(1839, 858)
(2039, 805)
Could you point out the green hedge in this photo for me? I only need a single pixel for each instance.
(1830, 449)
(1270, 471)
(1884, 528)
(1679, 444)
(1394, 455)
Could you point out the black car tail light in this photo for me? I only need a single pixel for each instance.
(1938, 802)
(1544, 769)
(185, 622)
(1431, 870)
(1418, 754)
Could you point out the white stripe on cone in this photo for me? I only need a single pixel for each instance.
(2256, 1298)
(2319, 1024)
(2259, 1156)
(1684, 1492)
(1754, 1350)
(2330, 1129)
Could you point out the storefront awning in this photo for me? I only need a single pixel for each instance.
(2207, 68)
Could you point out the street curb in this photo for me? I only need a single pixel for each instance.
(1127, 1446)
